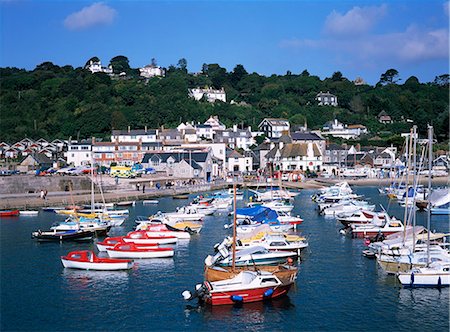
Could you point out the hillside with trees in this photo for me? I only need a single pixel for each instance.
(62, 102)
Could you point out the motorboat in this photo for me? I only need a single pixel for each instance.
(257, 255)
(178, 227)
(435, 275)
(247, 286)
(185, 213)
(392, 225)
(348, 208)
(131, 250)
(163, 230)
(360, 217)
(125, 203)
(142, 237)
(274, 242)
(110, 242)
(87, 260)
(69, 235)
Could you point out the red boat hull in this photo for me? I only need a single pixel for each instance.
(248, 295)
(11, 213)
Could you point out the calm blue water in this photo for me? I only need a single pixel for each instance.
(337, 288)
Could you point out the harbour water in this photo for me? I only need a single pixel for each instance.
(337, 288)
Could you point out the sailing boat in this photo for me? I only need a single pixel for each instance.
(246, 286)
(436, 274)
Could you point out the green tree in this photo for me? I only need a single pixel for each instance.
(389, 77)
(120, 64)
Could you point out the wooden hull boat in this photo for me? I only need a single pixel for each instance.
(286, 273)
(130, 250)
(87, 260)
(71, 235)
(246, 287)
(9, 213)
(180, 197)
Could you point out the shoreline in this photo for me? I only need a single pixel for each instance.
(64, 198)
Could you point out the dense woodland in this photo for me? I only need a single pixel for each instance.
(62, 102)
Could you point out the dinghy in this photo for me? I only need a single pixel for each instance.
(87, 260)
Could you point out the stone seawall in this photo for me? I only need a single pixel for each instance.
(23, 184)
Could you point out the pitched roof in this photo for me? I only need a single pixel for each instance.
(298, 149)
(199, 157)
(232, 154)
(334, 146)
(308, 136)
(41, 158)
(277, 122)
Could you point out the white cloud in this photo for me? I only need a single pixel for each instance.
(95, 14)
(411, 45)
(356, 21)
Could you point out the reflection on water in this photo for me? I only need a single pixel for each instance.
(78, 280)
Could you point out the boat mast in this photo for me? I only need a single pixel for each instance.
(430, 157)
(234, 228)
(415, 183)
(92, 184)
(408, 161)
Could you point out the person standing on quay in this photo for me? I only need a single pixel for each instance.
(42, 195)
(143, 188)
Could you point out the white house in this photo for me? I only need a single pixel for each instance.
(79, 153)
(135, 135)
(214, 122)
(337, 129)
(295, 156)
(211, 94)
(96, 67)
(204, 131)
(326, 98)
(274, 128)
(150, 71)
(237, 162)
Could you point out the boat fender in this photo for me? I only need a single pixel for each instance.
(187, 295)
(439, 284)
(412, 279)
(268, 293)
(237, 298)
(342, 231)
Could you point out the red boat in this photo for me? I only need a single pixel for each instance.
(9, 213)
(247, 286)
(110, 242)
(87, 260)
(141, 237)
(131, 250)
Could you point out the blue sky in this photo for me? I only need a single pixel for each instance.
(358, 38)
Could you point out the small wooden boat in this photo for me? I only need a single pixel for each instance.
(87, 260)
(9, 213)
(286, 273)
(53, 208)
(28, 212)
(125, 203)
(142, 237)
(247, 286)
(180, 197)
(130, 250)
(110, 242)
(150, 201)
(70, 235)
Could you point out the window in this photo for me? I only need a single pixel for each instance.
(73, 155)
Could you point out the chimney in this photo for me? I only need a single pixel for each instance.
(129, 129)
(146, 129)
(235, 128)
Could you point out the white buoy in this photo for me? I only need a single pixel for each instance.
(186, 295)
(198, 286)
